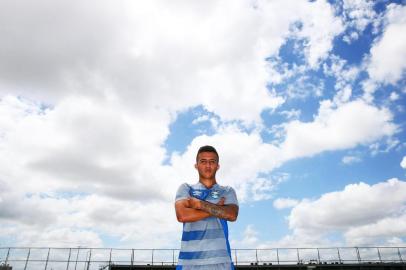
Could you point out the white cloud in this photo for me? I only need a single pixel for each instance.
(67, 237)
(388, 56)
(200, 119)
(352, 123)
(84, 158)
(137, 58)
(282, 203)
(253, 238)
(388, 227)
(82, 220)
(291, 114)
(343, 73)
(353, 211)
(81, 145)
(359, 13)
(349, 38)
(403, 163)
(249, 240)
(261, 188)
(304, 86)
(384, 146)
(394, 96)
(350, 159)
(319, 41)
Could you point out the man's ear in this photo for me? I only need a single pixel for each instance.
(218, 166)
(196, 166)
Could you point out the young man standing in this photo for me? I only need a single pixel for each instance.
(204, 209)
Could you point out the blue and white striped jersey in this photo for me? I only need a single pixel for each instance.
(205, 243)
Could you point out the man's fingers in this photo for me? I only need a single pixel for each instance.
(221, 201)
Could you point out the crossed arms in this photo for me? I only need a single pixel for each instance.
(192, 209)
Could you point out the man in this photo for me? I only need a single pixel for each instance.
(204, 209)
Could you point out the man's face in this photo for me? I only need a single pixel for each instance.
(207, 165)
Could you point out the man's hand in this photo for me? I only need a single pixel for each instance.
(219, 210)
(194, 203)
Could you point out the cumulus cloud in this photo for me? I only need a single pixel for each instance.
(126, 60)
(361, 211)
(318, 41)
(388, 227)
(65, 237)
(359, 15)
(249, 238)
(393, 96)
(82, 220)
(343, 73)
(83, 158)
(352, 123)
(403, 163)
(138, 58)
(282, 203)
(84, 144)
(388, 57)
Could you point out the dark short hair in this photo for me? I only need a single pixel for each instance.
(207, 148)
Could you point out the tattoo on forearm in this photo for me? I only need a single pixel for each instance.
(214, 210)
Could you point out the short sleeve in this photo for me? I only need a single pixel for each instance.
(183, 192)
(231, 196)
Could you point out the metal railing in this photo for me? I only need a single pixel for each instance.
(85, 258)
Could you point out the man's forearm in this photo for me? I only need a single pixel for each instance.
(185, 213)
(228, 212)
(192, 215)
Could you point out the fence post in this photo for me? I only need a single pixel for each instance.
(28, 257)
(379, 254)
(8, 253)
(46, 263)
(298, 257)
(358, 255)
(77, 257)
(400, 256)
(277, 255)
(132, 258)
(67, 265)
(88, 262)
(111, 250)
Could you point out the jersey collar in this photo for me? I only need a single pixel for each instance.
(200, 185)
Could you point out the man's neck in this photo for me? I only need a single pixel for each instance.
(208, 183)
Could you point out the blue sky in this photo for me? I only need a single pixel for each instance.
(103, 107)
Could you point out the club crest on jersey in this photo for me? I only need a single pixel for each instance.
(215, 194)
